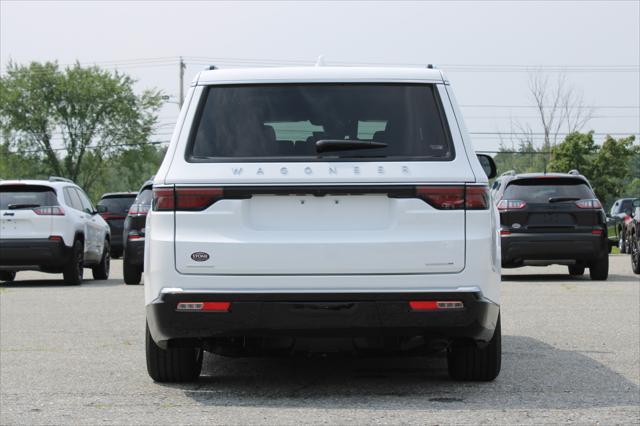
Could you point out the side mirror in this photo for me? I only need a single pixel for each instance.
(101, 208)
(488, 165)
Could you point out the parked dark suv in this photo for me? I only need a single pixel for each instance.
(617, 220)
(113, 208)
(133, 235)
(552, 219)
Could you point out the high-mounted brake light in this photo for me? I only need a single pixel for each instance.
(49, 211)
(55, 238)
(434, 305)
(511, 205)
(191, 198)
(589, 204)
(204, 306)
(597, 232)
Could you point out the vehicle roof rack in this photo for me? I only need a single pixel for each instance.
(59, 179)
(431, 66)
(509, 173)
(574, 172)
(211, 67)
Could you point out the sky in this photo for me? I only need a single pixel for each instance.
(488, 50)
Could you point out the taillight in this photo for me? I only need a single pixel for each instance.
(49, 211)
(477, 198)
(455, 197)
(138, 210)
(589, 204)
(190, 199)
(134, 235)
(442, 197)
(511, 204)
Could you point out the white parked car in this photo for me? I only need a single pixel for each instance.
(51, 226)
(296, 205)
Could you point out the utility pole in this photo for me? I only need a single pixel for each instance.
(182, 66)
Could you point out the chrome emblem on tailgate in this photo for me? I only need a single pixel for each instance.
(200, 256)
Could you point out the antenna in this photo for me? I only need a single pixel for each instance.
(320, 61)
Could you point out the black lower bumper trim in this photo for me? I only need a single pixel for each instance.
(322, 315)
(580, 247)
(29, 252)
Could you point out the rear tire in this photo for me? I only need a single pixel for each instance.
(470, 363)
(622, 244)
(132, 273)
(101, 272)
(74, 269)
(172, 364)
(599, 270)
(7, 276)
(576, 270)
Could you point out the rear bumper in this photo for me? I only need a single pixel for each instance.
(557, 247)
(321, 315)
(134, 252)
(16, 254)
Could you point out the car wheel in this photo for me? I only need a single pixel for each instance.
(172, 364)
(576, 270)
(101, 272)
(599, 270)
(468, 362)
(635, 256)
(132, 273)
(7, 276)
(74, 269)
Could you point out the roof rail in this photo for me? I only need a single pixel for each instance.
(574, 172)
(59, 179)
(431, 66)
(211, 67)
(509, 173)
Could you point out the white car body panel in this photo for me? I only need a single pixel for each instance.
(333, 243)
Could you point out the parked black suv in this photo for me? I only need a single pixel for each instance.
(616, 222)
(113, 208)
(552, 219)
(133, 235)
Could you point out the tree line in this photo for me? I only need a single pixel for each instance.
(89, 125)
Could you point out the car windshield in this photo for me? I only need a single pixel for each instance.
(544, 190)
(14, 196)
(117, 204)
(284, 122)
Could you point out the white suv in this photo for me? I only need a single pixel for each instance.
(301, 206)
(51, 226)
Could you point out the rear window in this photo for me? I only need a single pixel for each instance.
(117, 204)
(26, 196)
(541, 190)
(283, 122)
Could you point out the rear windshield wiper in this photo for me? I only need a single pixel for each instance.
(21, 206)
(327, 145)
(561, 199)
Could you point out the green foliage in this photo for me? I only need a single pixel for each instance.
(576, 152)
(74, 120)
(527, 159)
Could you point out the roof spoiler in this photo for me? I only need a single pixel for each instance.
(59, 179)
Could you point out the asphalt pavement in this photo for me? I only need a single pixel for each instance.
(75, 355)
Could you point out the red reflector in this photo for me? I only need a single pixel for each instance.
(505, 232)
(442, 197)
(135, 236)
(432, 305)
(423, 305)
(204, 306)
(55, 238)
(597, 232)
